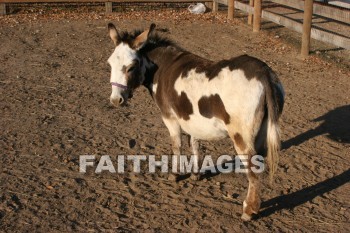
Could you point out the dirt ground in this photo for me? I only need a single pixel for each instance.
(54, 88)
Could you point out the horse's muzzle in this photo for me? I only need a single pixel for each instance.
(122, 99)
(117, 101)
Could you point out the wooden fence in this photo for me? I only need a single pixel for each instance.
(256, 13)
(254, 8)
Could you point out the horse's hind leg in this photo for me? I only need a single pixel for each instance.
(175, 135)
(251, 204)
(244, 145)
(195, 149)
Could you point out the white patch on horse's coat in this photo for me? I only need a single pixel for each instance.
(154, 88)
(240, 101)
(123, 55)
(203, 128)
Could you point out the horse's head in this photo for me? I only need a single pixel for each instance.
(127, 70)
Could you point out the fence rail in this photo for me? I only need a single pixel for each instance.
(318, 9)
(333, 13)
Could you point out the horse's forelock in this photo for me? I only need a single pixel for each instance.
(129, 37)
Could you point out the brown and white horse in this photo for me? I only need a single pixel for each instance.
(240, 98)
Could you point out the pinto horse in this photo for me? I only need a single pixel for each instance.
(240, 98)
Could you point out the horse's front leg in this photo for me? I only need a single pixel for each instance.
(195, 149)
(175, 134)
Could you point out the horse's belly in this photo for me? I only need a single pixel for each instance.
(204, 128)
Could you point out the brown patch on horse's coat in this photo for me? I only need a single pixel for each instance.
(239, 141)
(183, 107)
(213, 106)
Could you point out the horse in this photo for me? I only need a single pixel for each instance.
(240, 98)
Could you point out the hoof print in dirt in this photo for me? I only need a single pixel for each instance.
(195, 176)
(132, 143)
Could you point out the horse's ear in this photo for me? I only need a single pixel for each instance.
(142, 38)
(113, 33)
(151, 28)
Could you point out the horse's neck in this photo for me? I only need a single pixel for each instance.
(164, 57)
(156, 59)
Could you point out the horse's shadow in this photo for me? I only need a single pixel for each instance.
(335, 124)
(302, 196)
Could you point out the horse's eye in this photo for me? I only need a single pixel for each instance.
(131, 69)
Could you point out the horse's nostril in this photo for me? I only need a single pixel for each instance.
(117, 101)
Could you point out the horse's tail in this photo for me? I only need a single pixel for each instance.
(274, 90)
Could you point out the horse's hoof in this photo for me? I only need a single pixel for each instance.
(195, 176)
(246, 217)
(249, 210)
(173, 177)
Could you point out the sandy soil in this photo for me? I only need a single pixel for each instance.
(54, 83)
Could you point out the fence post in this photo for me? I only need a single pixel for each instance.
(257, 16)
(231, 9)
(305, 43)
(250, 16)
(209, 5)
(215, 6)
(2, 9)
(108, 7)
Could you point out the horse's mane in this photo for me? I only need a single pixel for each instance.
(155, 40)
